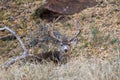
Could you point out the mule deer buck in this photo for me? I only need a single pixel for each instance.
(65, 46)
(65, 43)
(58, 56)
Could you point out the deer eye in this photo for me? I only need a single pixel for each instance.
(61, 44)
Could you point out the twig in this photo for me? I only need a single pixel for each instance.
(25, 51)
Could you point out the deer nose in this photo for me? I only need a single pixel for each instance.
(65, 50)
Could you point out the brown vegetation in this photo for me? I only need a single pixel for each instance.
(95, 57)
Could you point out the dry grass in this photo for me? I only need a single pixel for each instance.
(78, 68)
(95, 57)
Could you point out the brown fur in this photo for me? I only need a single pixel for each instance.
(50, 56)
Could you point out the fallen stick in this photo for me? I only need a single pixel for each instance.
(25, 51)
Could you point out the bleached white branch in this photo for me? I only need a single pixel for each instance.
(14, 33)
(25, 51)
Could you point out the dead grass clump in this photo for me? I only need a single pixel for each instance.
(78, 68)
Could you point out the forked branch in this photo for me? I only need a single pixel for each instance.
(25, 51)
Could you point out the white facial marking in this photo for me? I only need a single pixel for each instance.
(64, 47)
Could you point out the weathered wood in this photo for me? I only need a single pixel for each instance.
(25, 51)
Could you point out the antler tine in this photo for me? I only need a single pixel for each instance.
(51, 31)
(78, 32)
(53, 35)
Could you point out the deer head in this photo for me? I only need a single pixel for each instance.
(65, 43)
